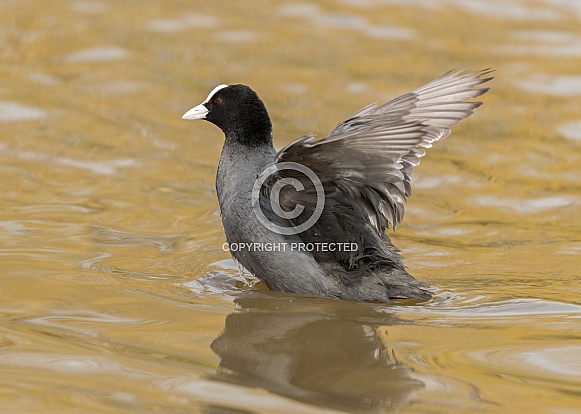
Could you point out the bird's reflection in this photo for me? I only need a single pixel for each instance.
(324, 352)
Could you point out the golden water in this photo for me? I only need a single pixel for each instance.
(115, 293)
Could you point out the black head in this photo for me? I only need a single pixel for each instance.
(238, 112)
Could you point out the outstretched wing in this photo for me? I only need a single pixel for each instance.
(370, 157)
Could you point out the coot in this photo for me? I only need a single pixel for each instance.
(311, 218)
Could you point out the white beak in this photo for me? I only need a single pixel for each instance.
(197, 112)
(200, 111)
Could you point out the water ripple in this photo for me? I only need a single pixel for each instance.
(544, 42)
(552, 85)
(190, 21)
(571, 130)
(527, 206)
(96, 54)
(11, 111)
(509, 308)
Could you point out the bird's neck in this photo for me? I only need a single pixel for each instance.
(249, 135)
(239, 166)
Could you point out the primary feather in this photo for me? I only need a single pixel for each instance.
(371, 155)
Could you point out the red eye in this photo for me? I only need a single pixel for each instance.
(218, 101)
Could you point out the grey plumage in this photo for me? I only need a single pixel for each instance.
(371, 155)
(365, 166)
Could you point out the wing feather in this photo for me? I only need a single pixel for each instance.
(370, 156)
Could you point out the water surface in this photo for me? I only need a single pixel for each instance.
(115, 293)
